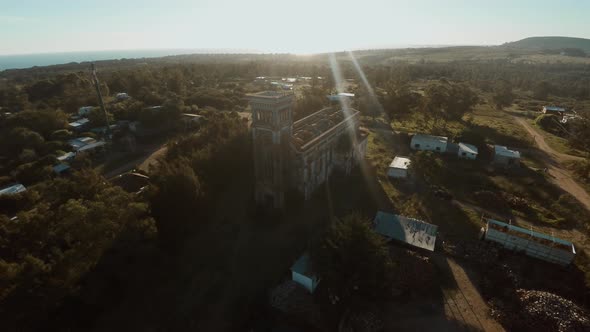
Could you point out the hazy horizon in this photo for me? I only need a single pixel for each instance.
(28, 60)
(302, 27)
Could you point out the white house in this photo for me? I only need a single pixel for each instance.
(301, 273)
(425, 142)
(398, 168)
(505, 157)
(467, 151)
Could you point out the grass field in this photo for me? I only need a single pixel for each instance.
(486, 125)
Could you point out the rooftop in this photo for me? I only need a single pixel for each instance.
(13, 189)
(303, 266)
(314, 126)
(191, 115)
(431, 138)
(91, 146)
(400, 162)
(554, 108)
(504, 151)
(468, 148)
(79, 142)
(270, 94)
(80, 122)
(530, 234)
(66, 156)
(408, 230)
(60, 168)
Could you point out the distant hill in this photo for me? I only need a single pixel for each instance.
(551, 43)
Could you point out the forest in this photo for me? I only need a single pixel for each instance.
(77, 252)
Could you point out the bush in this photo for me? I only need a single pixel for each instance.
(550, 123)
(491, 200)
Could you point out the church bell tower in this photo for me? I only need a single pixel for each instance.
(272, 125)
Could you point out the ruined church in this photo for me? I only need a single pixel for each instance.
(300, 154)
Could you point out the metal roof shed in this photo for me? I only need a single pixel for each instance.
(399, 167)
(412, 231)
(302, 274)
(534, 244)
(13, 189)
(467, 151)
(425, 142)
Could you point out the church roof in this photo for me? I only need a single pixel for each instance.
(310, 129)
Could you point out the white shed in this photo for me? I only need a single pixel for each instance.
(301, 273)
(398, 168)
(467, 151)
(424, 142)
(505, 157)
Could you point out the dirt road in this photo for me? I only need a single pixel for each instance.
(463, 303)
(143, 163)
(554, 161)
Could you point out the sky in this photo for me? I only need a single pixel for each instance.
(297, 26)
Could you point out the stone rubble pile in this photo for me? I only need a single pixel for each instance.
(546, 310)
(363, 322)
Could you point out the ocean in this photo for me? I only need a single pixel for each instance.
(47, 59)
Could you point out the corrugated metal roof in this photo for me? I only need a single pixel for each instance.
(430, 138)
(13, 189)
(530, 232)
(400, 162)
(66, 156)
(60, 168)
(408, 230)
(554, 108)
(303, 266)
(504, 151)
(91, 146)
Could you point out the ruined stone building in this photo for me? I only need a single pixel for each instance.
(300, 154)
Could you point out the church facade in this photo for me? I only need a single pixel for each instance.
(300, 154)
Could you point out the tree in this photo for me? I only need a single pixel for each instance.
(58, 240)
(448, 101)
(400, 101)
(97, 117)
(579, 130)
(353, 261)
(503, 95)
(426, 166)
(43, 122)
(542, 90)
(176, 202)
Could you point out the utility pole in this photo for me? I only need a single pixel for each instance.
(99, 94)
